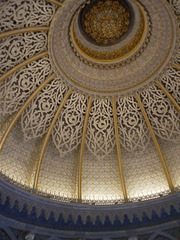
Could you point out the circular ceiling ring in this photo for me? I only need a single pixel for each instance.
(79, 61)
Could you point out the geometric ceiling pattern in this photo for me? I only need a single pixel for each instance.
(89, 122)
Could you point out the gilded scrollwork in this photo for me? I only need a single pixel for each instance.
(16, 49)
(38, 116)
(18, 87)
(18, 14)
(171, 80)
(67, 132)
(94, 75)
(164, 117)
(100, 138)
(133, 132)
(101, 82)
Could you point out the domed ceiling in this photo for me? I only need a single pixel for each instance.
(89, 98)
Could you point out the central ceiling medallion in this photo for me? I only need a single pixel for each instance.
(105, 21)
(107, 30)
(111, 47)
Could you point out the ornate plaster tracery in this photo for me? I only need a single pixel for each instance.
(100, 138)
(162, 114)
(37, 117)
(17, 14)
(18, 87)
(67, 132)
(149, 59)
(133, 132)
(16, 49)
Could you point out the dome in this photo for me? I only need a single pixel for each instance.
(89, 101)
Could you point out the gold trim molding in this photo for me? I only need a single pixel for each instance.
(55, 2)
(173, 101)
(120, 163)
(21, 65)
(23, 107)
(45, 142)
(156, 144)
(82, 148)
(175, 65)
(23, 30)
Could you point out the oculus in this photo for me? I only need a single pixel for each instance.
(105, 21)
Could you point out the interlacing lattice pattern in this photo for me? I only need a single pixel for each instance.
(162, 114)
(18, 14)
(171, 81)
(67, 132)
(18, 87)
(133, 132)
(16, 49)
(37, 117)
(100, 153)
(100, 138)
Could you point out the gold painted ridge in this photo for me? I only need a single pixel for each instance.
(45, 142)
(175, 65)
(23, 107)
(173, 101)
(55, 2)
(120, 163)
(76, 175)
(34, 158)
(23, 30)
(82, 147)
(21, 65)
(161, 157)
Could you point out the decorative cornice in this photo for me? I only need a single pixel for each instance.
(4, 222)
(32, 209)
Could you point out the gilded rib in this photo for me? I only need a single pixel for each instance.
(23, 30)
(23, 107)
(21, 65)
(76, 176)
(45, 142)
(173, 101)
(82, 148)
(120, 164)
(175, 65)
(55, 2)
(35, 156)
(161, 157)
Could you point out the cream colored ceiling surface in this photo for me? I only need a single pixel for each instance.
(86, 115)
